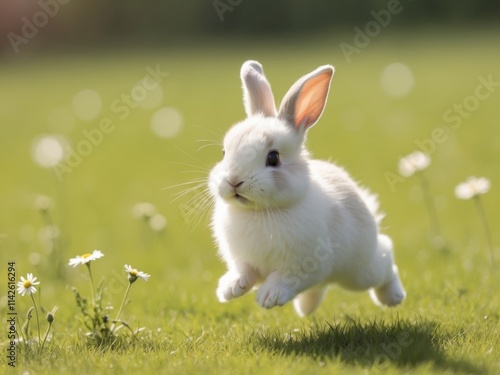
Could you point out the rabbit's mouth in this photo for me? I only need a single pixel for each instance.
(241, 198)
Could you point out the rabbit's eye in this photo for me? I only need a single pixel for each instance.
(273, 159)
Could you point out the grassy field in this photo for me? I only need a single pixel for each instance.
(450, 322)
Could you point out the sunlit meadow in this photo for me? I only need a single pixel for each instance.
(86, 166)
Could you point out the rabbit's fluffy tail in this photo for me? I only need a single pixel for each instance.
(371, 201)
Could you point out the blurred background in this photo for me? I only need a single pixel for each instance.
(105, 106)
(92, 23)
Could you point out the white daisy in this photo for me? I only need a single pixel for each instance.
(413, 163)
(85, 258)
(143, 210)
(48, 151)
(43, 203)
(133, 274)
(474, 186)
(158, 222)
(27, 286)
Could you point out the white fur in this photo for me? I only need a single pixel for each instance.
(300, 226)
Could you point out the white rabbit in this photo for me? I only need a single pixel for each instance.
(292, 224)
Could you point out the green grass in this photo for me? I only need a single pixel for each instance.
(450, 322)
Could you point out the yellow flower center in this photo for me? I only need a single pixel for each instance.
(85, 256)
(27, 284)
(134, 272)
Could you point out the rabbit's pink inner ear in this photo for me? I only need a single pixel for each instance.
(312, 99)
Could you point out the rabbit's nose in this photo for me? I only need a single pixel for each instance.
(235, 184)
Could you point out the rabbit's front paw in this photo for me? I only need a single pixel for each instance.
(272, 295)
(233, 286)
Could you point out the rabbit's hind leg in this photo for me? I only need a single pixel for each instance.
(390, 291)
(309, 300)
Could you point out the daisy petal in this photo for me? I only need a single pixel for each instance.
(472, 187)
(413, 163)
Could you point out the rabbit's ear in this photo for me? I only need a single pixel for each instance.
(257, 94)
(303, 104)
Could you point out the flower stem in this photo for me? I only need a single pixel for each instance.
(91, 283)
(484, 220)
(431, 208)
(45, 338)
(22, 331)
(37, 320)
(122, 305)
(54, 242)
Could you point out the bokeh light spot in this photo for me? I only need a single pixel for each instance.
(47, 151)
(158, 222)
(166, 122)
(87, 105)
(397, 80)
(34, 258)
